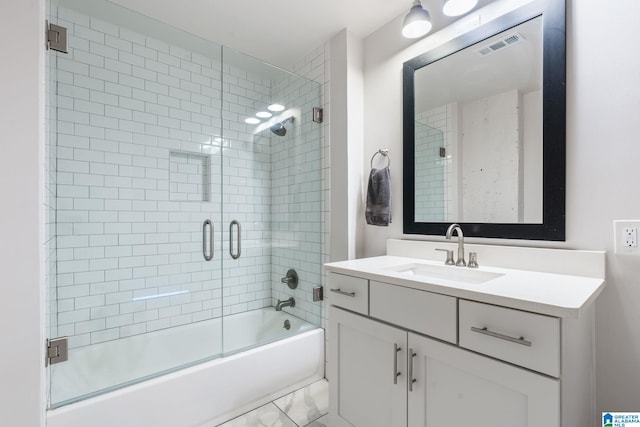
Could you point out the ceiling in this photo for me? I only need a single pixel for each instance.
(280, 31)
(467, 75)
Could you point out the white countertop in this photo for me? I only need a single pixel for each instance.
(559, 295)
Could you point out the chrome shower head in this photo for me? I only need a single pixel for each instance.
(279, 128)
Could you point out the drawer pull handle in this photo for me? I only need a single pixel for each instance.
(396, 374)
(486, 331)
(341, 292)
(411, 379)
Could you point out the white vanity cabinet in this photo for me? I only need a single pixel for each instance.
(368, 381)
(455, 387)
(384, 376)
(413, 342)
(400, 355)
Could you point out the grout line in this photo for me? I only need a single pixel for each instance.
(286, 415)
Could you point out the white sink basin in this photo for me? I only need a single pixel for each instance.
(446, 272)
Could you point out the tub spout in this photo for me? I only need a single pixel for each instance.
(286, 303)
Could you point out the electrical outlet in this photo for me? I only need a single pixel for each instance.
(625, 234)
(629, 235)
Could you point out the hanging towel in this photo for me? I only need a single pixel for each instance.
(378, 209)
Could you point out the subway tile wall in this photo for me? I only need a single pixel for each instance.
(296, 221)
(130, 110)
(49, 195)
(433, 178)
(315, 66)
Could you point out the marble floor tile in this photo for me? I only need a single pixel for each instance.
(307, 404)
(265, 416)
(320, 422)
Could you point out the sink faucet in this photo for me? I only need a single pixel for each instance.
(456, 227)
(286, 303)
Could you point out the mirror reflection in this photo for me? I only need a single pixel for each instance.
(479, 134)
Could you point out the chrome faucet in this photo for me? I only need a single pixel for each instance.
(286, 303)
(456, 227)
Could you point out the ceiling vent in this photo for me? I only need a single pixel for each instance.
(496, 45)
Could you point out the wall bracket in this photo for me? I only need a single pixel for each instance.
(57, 350)
(56, 37)
(318, 114)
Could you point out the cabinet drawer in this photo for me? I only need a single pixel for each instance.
(525, 339)
(349, 292)
(424, 312)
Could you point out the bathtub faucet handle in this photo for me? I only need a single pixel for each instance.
(291, 279)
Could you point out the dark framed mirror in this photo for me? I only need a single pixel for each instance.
(485, 128)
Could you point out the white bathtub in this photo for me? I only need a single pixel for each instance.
(204, 394)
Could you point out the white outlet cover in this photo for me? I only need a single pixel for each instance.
(625, 237)
(630, 236)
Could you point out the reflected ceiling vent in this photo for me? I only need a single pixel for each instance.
(496, 45)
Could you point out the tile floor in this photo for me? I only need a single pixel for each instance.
(306, 407)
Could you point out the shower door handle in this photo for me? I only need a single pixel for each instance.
(207, 223)
(237, 254)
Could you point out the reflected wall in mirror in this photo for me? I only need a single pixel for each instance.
(478, 136)
(484, 130)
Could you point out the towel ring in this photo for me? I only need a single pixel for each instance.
(384, 152)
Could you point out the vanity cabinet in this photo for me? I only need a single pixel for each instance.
(416, 358)
(368, 384)
(413, 342)
(455, 387)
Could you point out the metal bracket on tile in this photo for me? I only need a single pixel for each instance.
(56, 37)
(318, 294)
(56, 351)
(318, 114)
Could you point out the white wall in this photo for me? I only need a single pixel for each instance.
(346, 144)
(491, 159)
(21, 166)
(603, 99)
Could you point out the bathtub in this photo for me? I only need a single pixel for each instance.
(122, 375)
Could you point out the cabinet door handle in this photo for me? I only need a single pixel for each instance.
(341, 292)
(412, 380)
(396, 374)
(486, 331)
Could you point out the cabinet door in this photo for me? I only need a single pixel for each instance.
(455, 387)
(362, 367)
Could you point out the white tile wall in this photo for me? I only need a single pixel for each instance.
(137, 122)
(49, 199)
(296, 168)
(316, 66)
(430, 192)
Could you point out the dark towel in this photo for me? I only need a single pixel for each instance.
(378, 209)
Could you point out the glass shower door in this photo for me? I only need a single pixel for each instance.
(187, 182)
(271, 200)
(137, 183)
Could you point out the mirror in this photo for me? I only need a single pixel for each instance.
(484, 130)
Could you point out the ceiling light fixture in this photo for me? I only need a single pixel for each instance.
(263, 114)
(275, 107)
(417, 23)
(458, 7)
(252, 121)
